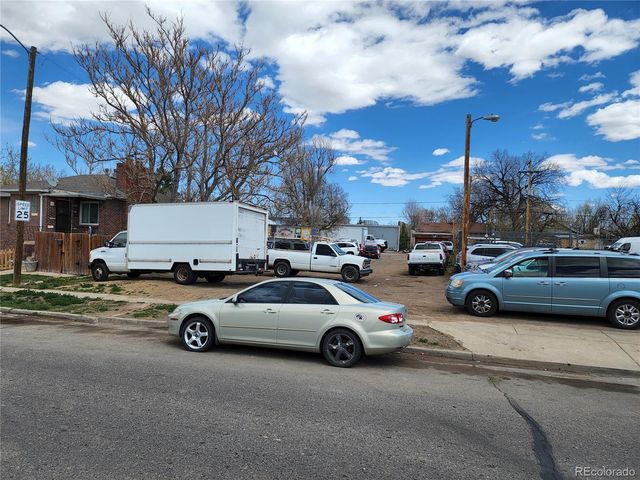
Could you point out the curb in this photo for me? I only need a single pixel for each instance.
(433, 352)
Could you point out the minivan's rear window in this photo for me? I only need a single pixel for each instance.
(578, 267)
(623, 267)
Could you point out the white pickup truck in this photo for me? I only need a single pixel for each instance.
(381, 242)
(323, 257)
(426, 256)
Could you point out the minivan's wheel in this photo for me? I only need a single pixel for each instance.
(282, 269)
(482, 303)
(197, 334)
(350, 273)
(99, 271)
(183, 274)
(341, 348)
(625, 313)
(214, 277)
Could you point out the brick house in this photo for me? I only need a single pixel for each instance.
(443, 231)
(79, 204)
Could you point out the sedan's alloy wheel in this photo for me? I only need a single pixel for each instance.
(196, 335)
(341, 348)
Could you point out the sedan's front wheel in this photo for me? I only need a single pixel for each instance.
(341, 348)
(198, 334)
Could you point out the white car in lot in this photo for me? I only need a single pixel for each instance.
(351, 248)
(334, 318)
(481, 253)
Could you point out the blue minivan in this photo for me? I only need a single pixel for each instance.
(571, 282)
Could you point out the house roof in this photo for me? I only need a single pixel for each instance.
(100, 187)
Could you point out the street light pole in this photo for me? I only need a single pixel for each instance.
(467, 183)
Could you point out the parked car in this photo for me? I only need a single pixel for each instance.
(349, 247)
(508, 242)
(317, 315)
(626, 244)
(570, 282)
(427, 256)
(323, 257)
(449, 246)
(481, 253)
(370, 251)
(380, 242)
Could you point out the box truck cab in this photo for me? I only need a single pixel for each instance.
(192, 240)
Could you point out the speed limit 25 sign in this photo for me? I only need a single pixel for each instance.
(23, 211)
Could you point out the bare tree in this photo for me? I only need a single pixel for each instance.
(304, 196)
(10, 168)
(199, 120)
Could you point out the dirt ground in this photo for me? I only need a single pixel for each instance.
(423, 294)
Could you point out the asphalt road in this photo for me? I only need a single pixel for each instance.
(79, 402)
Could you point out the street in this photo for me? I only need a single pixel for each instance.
(82, 402)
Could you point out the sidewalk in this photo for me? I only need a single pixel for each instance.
(604, 347)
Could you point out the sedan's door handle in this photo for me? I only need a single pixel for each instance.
(560, 284)
(270, 310)
(543, 283)
(326, 311)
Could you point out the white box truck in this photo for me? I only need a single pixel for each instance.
(209, 239)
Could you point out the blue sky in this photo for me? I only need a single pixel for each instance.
(388, 84)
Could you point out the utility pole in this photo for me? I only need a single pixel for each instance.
(467, 193)
(17, 262)
(528, 216)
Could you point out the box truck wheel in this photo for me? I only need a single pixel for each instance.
(214, 277)
(282, 269)
(183, 274)
(99, 271)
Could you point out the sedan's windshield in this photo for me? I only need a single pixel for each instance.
(359, 295)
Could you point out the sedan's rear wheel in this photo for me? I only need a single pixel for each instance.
(341, 348)
(625, 314)
(197, 334)
(482, 303)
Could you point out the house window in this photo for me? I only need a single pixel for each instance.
(89, 213)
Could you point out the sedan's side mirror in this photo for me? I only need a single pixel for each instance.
(234, 299)
(508, 273)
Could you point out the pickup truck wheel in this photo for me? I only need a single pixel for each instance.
(482, 303)
(441, 271)
(99, 271)
(282, 269)
(412, 270)
(350, 274)
(214, 277)
(183, 275)
(625, 314)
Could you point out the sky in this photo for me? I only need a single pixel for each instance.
(388, 84)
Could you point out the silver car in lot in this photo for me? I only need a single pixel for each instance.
(311, 314)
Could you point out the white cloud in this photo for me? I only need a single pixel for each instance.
(62, 102)
(55, 26)
(618, 121)
(597, 179)
(635, 84)
(570, 163)
(542, 136)
(392, 177)
(349, 142)
(538, 126)
(440, 151)
(352, 178)
(347, 160)
(588, 77)
(591, 87)
(11, 53)
(266, 82)
(575, 109)
(31, 144)
(632, 162)
(451, 172)
(591, 169)
(552, 107)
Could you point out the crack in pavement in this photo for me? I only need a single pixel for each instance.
(542, 448)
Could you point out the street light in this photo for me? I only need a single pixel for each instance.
(467, 187)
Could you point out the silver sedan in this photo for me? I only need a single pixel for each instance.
(311, 314)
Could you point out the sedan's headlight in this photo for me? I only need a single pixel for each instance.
(457, 283)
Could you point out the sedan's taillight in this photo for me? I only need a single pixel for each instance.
(392, 318)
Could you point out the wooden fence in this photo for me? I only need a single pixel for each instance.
(66, 252)
(6, 258)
